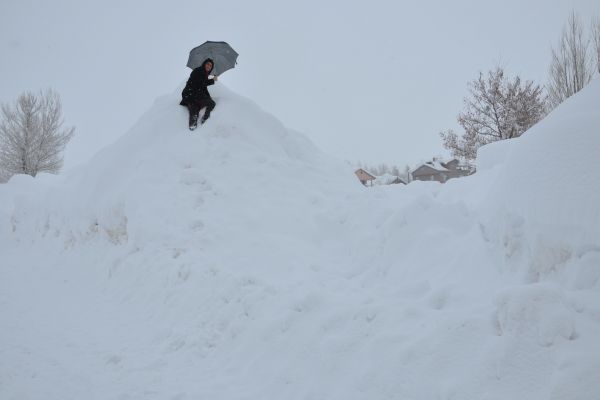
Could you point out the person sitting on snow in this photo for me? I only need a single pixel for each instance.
(195, 95)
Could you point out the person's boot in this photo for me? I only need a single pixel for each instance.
(193, 122)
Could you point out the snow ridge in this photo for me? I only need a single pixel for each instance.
(239, 262)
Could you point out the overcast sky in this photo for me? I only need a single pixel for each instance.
(372, 81)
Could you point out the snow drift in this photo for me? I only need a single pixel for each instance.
(239, 262)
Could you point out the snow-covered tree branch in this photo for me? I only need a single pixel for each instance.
(32, 137)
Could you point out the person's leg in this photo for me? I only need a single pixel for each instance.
(210, 105)
(194, 110)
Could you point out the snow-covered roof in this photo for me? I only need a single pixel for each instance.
(387, 179)
(436, 164)
(433, 164)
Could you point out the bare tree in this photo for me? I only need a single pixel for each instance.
(595, 31)
(32, 138)
(497, 109)
(571, 68)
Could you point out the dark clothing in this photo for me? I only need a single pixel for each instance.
(195, 94)
(195, 107)
(195, 88)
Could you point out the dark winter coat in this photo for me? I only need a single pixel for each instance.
(195, 89)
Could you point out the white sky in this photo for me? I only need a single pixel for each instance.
(371, 81)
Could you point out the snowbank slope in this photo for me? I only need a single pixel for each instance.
(239, 262)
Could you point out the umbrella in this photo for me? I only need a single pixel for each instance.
(221, 53)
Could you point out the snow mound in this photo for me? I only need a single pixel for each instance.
(239, 262)
(158, 175)
(545, 204)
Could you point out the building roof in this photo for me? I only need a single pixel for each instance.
(360, 170)
(439, 166)
(398, 180)
(387, 179)
(428, 168)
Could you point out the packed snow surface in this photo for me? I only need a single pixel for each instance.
(240, 262)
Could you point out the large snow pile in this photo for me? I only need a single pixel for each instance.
(239, 262)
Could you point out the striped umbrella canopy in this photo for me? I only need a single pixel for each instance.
(221, 53)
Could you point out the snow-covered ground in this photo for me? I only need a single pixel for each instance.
(240, 262)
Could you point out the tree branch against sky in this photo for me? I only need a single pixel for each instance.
(496, 109)
(571, 67)
(595, 31)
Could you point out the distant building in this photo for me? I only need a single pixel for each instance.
(397, 180)
(436, 170)
(364, 177)
(387, 179)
